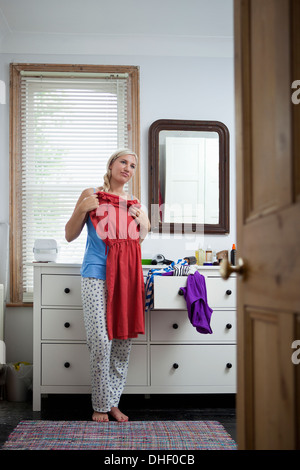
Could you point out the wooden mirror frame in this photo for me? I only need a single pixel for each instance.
(156, 127)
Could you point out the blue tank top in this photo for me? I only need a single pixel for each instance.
(94, 260)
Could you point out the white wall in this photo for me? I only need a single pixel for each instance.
(171, 87)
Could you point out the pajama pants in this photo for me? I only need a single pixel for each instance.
(108, 358)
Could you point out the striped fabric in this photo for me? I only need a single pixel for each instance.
(177, 268)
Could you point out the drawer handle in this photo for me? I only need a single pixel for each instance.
(180, 292)
(175, 326)
(67, 365)
(228, 326)
(228, 292)
(67, 324)
(67, 290)
(228, 365)
(175, 366)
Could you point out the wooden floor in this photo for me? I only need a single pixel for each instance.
(138, 407)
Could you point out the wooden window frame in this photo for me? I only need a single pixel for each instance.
(15, 217)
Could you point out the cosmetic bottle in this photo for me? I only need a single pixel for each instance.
(208, 255)
(233, 255)
(200, 256)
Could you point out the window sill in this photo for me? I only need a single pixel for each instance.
(20, 304)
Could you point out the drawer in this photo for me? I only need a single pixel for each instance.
(138, 370)
(63, 324)
(65, 364)
(166, 290)
(69, 364)
(189, 365)
(176, 326)
(61, 290)
(220, 293)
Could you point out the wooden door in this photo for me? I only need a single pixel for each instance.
(268, 217)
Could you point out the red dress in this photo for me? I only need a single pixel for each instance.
(124, 274)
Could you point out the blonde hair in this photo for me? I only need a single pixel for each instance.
(112, 158)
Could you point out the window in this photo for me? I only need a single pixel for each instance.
(65, 123)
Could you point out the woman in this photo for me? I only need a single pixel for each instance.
(111, 321)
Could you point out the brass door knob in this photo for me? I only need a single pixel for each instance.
(226, 269)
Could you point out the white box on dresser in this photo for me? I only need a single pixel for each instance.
(172, 357)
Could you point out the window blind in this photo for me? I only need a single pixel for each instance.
(69, 128)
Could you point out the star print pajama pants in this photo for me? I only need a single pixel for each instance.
(108, 358)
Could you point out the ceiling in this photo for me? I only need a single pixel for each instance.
(89, 22)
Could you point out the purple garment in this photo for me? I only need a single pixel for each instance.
(196, 300)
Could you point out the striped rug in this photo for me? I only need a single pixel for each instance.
(132, 435)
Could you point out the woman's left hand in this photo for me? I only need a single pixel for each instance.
(141, 219)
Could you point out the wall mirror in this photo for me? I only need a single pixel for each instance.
(189, 177)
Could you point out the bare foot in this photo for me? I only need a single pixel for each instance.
(118, 415)
(99, 417)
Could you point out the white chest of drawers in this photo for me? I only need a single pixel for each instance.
(172, 357)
